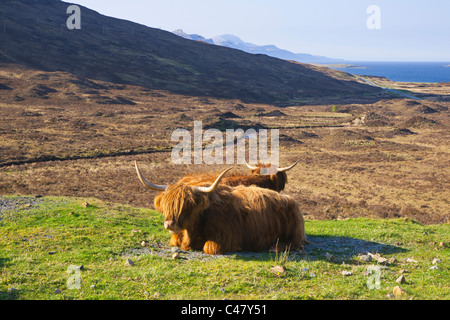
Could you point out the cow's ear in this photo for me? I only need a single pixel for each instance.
(158, 202)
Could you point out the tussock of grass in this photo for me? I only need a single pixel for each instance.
(41, 240)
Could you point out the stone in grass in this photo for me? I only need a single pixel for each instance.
(436, 261)
(346, 273)
(57, 291)
(129, 262)
(435, 268)
(398, 291)
(401, 279)
(278, 270)
(176, 256)
(378, 258)
(330, 257)
(365, 258)
(85, 204)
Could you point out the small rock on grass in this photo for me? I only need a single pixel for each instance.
(435, 268)
(436, 261)
(378, 258)
(277, 270)
(129, 262)
(398, 291)
(365, 258)
(330, 257)
(346, 273)
(176, 255)
(401, 279)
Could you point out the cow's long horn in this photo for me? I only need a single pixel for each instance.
(214, 185)
(250, 166)
(288, 168)
(155, 187)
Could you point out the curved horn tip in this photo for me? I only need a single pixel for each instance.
(288, 168)
(215, 183)
(149, 185)
(250, 166)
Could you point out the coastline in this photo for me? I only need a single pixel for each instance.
(422, 72)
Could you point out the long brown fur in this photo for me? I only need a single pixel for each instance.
(231, 218)
(274, 182)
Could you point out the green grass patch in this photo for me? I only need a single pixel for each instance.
(41, 238)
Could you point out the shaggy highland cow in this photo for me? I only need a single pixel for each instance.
(273, 178)
(219, 218)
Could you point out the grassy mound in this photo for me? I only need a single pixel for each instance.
(121, 252)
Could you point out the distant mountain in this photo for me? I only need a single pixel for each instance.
(34, 34)
(196, 37)
(232, 41)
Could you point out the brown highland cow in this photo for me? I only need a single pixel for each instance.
(262, 175)
(219, 218)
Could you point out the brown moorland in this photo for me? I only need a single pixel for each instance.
(66, 135)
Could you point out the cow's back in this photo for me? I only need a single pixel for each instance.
(253, 219)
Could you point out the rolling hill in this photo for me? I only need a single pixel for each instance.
(34, 34)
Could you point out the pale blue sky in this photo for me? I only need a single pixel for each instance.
(411, 30)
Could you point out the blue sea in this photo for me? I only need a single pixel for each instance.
(403, 71)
